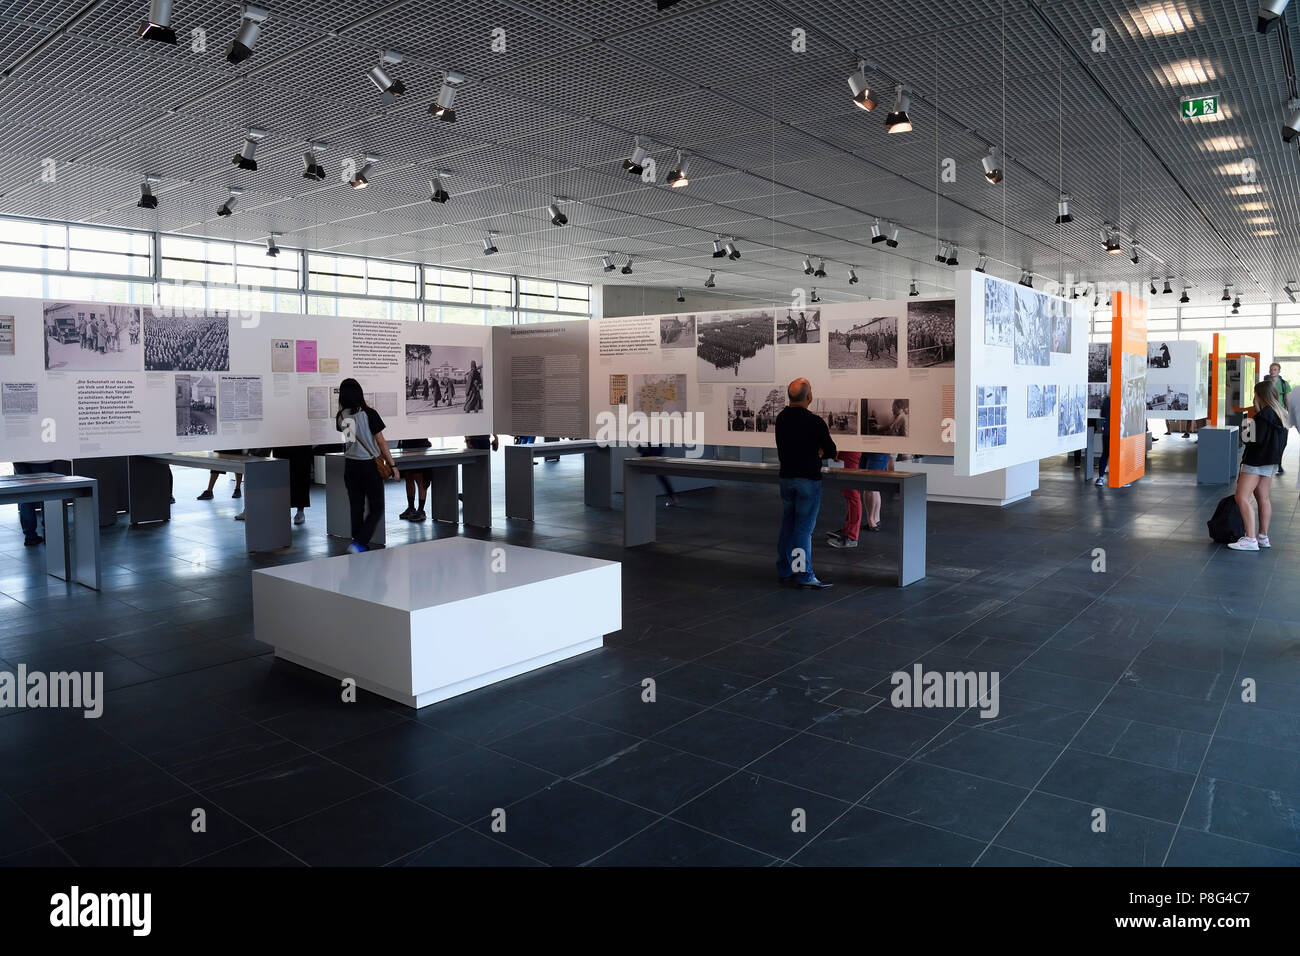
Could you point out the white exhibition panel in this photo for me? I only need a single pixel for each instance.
(140, 381)
(875, 370)
(1022, 379)
(435, 619)
(997, 489)
(1178, 379)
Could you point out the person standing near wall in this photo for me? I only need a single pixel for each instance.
(365, 445)
(1283, 395)
(1258, 466)
(802, 441)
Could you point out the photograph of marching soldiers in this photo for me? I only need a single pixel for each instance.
(862, 343)
(442, 379)
(1168, 398)
(187, 343)
(990, 416)
(886, 416)
(1072, 410)
(799, 326)
(677, 332)
(932, 334)
(736, 346)
(1042, 401)
(745, 414)
(997, 313)
(1033, 329)
(840, 414)
(82, 337)
(1133, 402)
(1098, 362)
(196, 405)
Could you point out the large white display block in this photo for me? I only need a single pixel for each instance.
(432, 620)
(993, 488)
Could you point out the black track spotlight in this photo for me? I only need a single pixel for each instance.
(681, 296)
(1236, 303)
(863, 98)
(982, 265)
(807, 266)
(677, 177)
(1074, 291)
(1109, 242)
(272, 249)
(387, 86)
(558, 218)
(992, 163)
(1096, 298)
(1026, 278)
(437, 191)
(251, 19)
(362, 179)
(246, 158)
(898, 121)
(1153, 287)
(1168, 289)
(1133, 256)
(892, 241)
(1063, 210)
(159, 25)
(311, 165)
(820, 271)
(914, 291)
(876, 234)
(1226, 297)
(1270, 11)
(607, 263)
(813, 296)
(952, 256)
(719, 249)
(730, 248)
(709, 283)
(489, 247)
(635, 164)
(232, 199)
(442, 107)
(1184, 298)
(1291, 128)
(942, 254)
(627, 267)
(853, 276)
(147, 199)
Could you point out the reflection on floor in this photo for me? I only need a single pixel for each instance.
(1119, 690)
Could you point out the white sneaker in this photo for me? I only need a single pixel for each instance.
(1244, 544)
(1263, 541)
(1101, 481)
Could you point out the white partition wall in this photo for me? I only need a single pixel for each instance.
(1177, 379)
(89, 379)
(1022, 378)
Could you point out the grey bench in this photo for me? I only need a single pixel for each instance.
(71, 553)
(639, 510)
(475, 475)
(265, 494)
(597, 486)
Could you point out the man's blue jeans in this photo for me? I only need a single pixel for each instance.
(801, 498)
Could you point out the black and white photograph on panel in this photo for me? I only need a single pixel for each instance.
(932, 334)
(1041, 402)
(862, 343)
(798, 326)
(990, 416)
(1158, 355)
(1203, 382)
(736, 347)
(998, 309)
(1097, 392)
(196, 404)
(886, 416)
(92, 337)
(179, 342)
(753, 408)
(1133, 397)
(443, 379)
(677, 332)
(1058, 313)
(1032, 329)
(1168, 398)
(840, 414)
(1072, 409)
(1098, 361)
(658, 393)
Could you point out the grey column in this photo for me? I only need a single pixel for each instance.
(911, 538)
(58, 543)
(519, 482)
(597, 480)
(266, 505)
(476, 477)
(85, 536)
(442, 494)
(638, 507)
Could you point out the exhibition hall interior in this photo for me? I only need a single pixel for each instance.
(679, 433)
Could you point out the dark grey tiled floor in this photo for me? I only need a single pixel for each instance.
(771, 739)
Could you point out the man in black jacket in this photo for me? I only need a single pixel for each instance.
(802, 441)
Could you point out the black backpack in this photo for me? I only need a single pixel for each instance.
(1226, 525)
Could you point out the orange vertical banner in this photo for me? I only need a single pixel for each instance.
(1128, 390)
(1217, 393)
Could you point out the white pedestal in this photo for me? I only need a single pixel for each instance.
(994, 488)
(428, 621)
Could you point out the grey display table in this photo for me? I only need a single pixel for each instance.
(265, 495)
(1217, 455)
(475, 475)
(597, 489)
(639, 498)
(71, 551)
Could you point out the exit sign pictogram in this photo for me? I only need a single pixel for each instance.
(1199, 106)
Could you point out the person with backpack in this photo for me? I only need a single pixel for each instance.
(1266, 432)
(367, 462)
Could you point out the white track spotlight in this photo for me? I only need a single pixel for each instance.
(1290, 289)
(1063, 210)
(1270, 11)
(389, 87)
(876, 234)
(1291, 128)
(942, 254)
(863, 98)
(1133, 256)
(853, 276)
(437, 191)
(251, 19)
(442, 106)
(1027, 279)
(312, 168)
(147, 199)
(362, 179)
(607, 263)
(232, 198)
(1226, 297)
(558, 218)
(681, 296)
(992, 163)
(730, 248)
(894, 232)
(159, 25)
(709, 283)
(272, 249)
(246, 158)
(1109, 242)
(914, 290)
(1184, 298)
(489, 247)
(635, 164)
(952, 255)
(677, 178)
(807, 266)
(898, 121)
(982, 265)
(719, 249)
(813, 296)
(820, 271)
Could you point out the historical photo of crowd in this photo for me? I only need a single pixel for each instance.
(187, 343)
(1072, 410)
(1041, 401)
(1133, 397)
(886, 416)
(1158, 355)
(862, 343)
(799, 326)
(1167, 398)
(997, 313)
(736, 347)
(658, 394)
(1033, 329)
(990, 416)
(443, 379)
(677, 332)
(1098, 362)
(196, 405)
(753, 408)
(81, 337)
(1062, 327)
(932, 334)
(1096, 396)
(841, 414)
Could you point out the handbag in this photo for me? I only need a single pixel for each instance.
(385, 470)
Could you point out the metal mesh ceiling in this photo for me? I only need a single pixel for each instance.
(781, 159)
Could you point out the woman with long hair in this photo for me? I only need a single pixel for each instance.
(364, 431)
(1266, 431)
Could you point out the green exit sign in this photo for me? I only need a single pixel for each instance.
(1200, 106)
